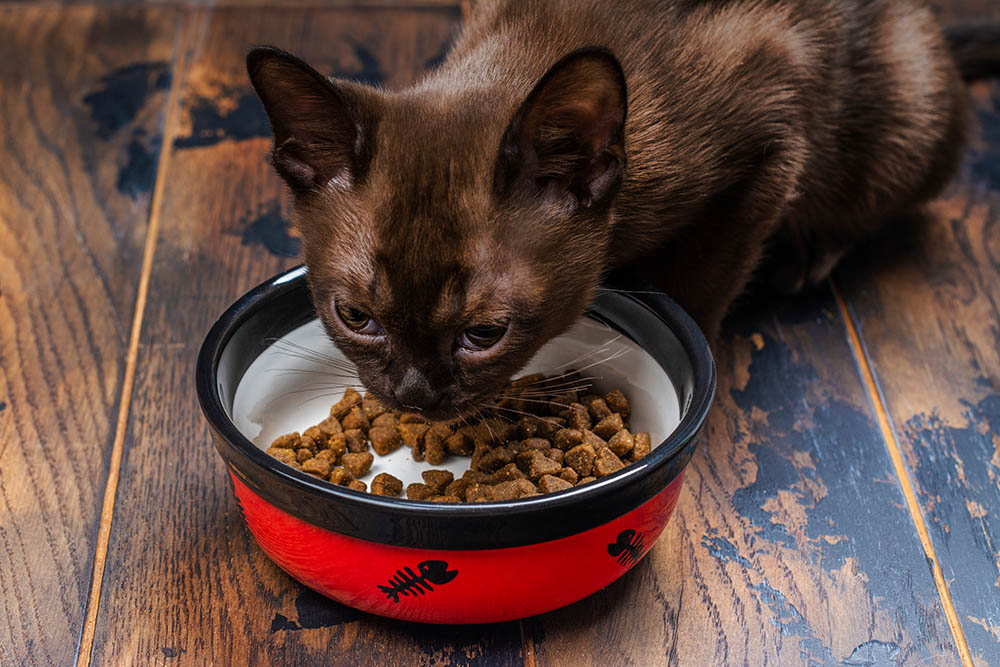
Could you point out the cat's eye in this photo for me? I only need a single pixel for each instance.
(358, 320)
(481, 337)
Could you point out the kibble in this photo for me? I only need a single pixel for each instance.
(555, 445)
(385, 484)
(358, 463)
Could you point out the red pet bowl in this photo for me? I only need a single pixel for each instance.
(452, 563)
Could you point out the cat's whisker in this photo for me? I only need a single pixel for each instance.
(615, 355)
(559, 386)
(604, 348)
(535, 400)
(515, 411)
(296, 350)
(336, 390)
(559, 392)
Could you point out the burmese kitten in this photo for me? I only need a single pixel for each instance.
(452, 227)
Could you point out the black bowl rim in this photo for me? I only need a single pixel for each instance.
(554, 513)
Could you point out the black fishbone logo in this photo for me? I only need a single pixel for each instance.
(628, 547)
(407, 582)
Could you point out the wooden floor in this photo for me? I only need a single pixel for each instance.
(844, 507)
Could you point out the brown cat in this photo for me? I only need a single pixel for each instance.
(453, 227)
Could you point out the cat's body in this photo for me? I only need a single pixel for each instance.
(492, 195)
(830, 115)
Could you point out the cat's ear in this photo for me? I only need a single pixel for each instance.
(568, 137)
(320, 131)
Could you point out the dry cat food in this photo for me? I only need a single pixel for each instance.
(542, 435)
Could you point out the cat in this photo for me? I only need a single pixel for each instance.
(453, 227)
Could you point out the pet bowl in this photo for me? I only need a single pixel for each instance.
(264, 370)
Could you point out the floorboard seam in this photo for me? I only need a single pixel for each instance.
(902, 475)
(128, 382)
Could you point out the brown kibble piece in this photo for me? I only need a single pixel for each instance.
(356, 440)
(542, 465)
(525, 488)
(597, 408)
(373, 408)
(618, 403)
(594, 440)
(621, 443)
(341, 476)
(284, 455)
(287, 441)
(586, 480)
(385, 420)
(460, 444)
(492, 460)
(608, 426)
(560, 401)
(413, 434)
(355, 419)
(314, 435)
(444, 499)
(303, 455)
(358, 463)
(385, 439)
(418, 491)
(327, 455)
(556, 455)
(505, 491)
(567, 438)
(581, 459)
(336, 444)
(350, 399)
(526, 380)
(569, 475)
(434, 442)
(438, 479)
(476, 477)
(527, 427)
(457, 488)
(412, 418)
(317, 467)
(434, 451)
(357, 485)
(547, 426)
(478, 493)
(508, 473)
(385, 484)
(550, 484)
(606, 463)
(577, 416)
(538, 444)
(330, 426)
(642, 446)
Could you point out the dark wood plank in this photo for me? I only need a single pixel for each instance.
(82, 103)
(184, 578)
(791, 543)
(926, 302)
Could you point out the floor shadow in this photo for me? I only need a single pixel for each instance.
(894, 244)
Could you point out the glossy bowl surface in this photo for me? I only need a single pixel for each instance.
(445, 563)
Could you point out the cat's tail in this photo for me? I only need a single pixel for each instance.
(976, 48)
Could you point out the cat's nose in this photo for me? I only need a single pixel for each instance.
(414, 391)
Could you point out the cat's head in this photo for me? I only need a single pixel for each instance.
(449, 231)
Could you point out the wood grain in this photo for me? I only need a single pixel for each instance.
(80, 126)
(791, 543)
(926, 302)
(185, 581)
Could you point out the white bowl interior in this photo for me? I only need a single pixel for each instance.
(293, 383)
